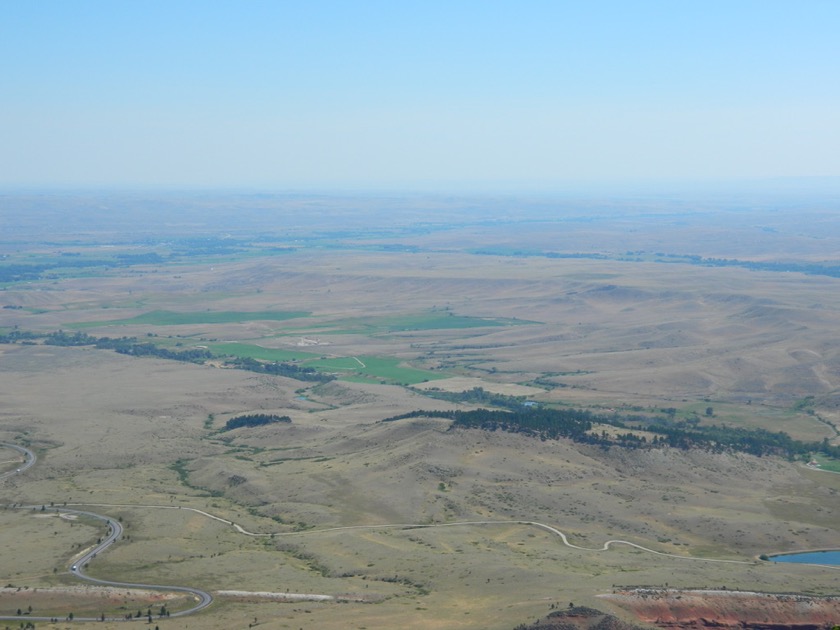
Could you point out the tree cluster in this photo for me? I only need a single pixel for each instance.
(126, 345)
(193, 355)
(577, 424)
(478, 396)
(17, 336)
(543, 423)
(133, 347)
(254, 420)
(280, 369)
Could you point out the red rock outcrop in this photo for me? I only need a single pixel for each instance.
(678, 609)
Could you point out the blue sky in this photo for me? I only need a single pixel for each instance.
(426, 95)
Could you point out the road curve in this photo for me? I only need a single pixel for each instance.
(312, 532)
(115, 530)
(78, 567)
(28, 459)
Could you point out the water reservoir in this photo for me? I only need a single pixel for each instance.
(831, 558)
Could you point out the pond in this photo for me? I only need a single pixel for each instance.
(831, 558)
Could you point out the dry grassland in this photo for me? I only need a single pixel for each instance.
(141, 439)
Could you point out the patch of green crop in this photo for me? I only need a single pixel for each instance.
(826, 463)
(391, 370)
(364, 368)
(174, 318)
(435, 320)
(337, 364)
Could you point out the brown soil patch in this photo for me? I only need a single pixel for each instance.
(674, 608)
(83, 600)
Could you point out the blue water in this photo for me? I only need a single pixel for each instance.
(812, 557)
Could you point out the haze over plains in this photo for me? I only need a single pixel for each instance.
(479, 96)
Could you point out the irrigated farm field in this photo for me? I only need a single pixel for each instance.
(339, 520)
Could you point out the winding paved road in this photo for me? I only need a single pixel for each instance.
(28, 459)
(115, 530)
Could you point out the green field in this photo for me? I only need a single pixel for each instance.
(364, 326)
(380, 368)
(435, 320)
(828, 464)
(360, 368)
(174, 318)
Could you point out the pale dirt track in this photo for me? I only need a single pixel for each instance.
(553, 530)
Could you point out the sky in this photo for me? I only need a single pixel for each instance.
(416, 95)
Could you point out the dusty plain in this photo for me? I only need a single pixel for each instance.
(413, 524)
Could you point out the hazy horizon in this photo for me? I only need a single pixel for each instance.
(374, 96)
